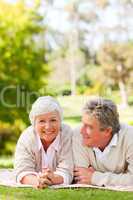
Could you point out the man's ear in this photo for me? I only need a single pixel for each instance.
(109, 131)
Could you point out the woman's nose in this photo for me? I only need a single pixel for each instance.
(47, 125)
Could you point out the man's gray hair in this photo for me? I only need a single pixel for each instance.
(105, 111)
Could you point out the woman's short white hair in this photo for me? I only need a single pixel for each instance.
(43, 105)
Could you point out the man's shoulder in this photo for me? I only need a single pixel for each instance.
(126, 132)
(126, 129)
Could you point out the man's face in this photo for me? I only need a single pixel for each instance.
(92, 135)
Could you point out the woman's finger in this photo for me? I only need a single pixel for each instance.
(44, 181)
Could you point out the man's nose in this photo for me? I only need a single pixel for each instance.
(83, 130)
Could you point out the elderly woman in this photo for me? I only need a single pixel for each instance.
(43, 153)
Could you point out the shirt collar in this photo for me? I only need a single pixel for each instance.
(54, 145)
(112, 143)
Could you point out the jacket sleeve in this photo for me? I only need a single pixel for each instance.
(80, 152)
(114, 179)
(65, 157)
(24, 161)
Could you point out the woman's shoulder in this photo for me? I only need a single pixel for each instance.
(66, 130)
(27, 135)
(76, 130)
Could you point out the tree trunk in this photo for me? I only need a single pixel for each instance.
(122, 86)
(123, 93)
(73, 46)
(73, 78)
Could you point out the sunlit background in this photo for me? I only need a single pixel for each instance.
(70, 49)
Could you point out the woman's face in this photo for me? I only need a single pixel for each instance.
(48, 126)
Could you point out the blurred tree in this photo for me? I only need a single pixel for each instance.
(116, 60)
(85, 25)
(23, 68)
(62, 62)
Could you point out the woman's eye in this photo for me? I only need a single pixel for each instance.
(42, 121)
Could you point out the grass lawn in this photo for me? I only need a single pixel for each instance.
(62, 194)
(6, 162)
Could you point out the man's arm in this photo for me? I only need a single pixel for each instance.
(93, 177)
(80, 152)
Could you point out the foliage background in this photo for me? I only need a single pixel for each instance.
(72, 50)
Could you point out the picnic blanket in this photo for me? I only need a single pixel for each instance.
(114, 188)
(7, 178)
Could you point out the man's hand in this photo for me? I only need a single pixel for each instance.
(83, 175)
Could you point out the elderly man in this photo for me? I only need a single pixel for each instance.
(102, 147)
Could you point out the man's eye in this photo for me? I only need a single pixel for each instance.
(89, 127)
(53, 120)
